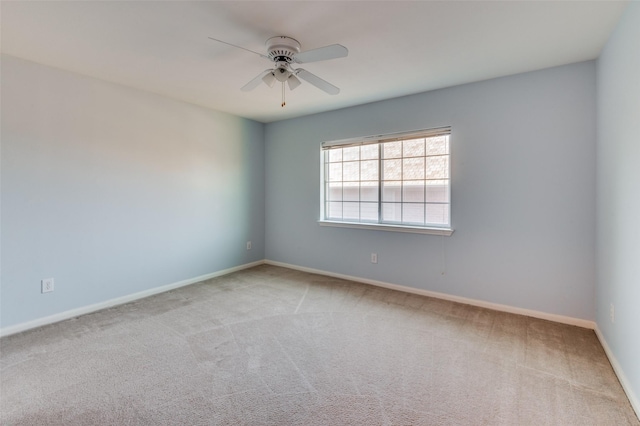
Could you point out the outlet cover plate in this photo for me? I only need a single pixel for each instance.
(47, 285)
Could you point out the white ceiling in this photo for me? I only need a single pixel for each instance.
(395, 48)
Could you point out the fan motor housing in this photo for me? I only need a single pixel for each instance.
(282, 49)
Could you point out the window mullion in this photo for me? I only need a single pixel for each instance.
(402, 182)
(359, 184)
(342, 185)
(379, 183)
(424, 193)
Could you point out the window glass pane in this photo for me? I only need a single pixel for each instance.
(409, 185)
(391, 191)
(335, 172)
(335, 155)
(438, 145)
(351, 153)
(392, 212)
(413, 213)
(437, 167)
(392, 150)
(413, 191)
(369, 191)
(369, 152)
(351, 171)
(334, 192)
(351, 211)
(413, 148)
(438, 214)
(369, 212)
(334, 210)
(413, 168)
(437, 191)
(351, 191)
(369, 170)
(392, 169)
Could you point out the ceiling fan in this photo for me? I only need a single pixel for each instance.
(283, 52)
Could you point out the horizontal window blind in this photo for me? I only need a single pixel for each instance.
(398, 179)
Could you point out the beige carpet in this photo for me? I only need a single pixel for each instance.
(273, 346)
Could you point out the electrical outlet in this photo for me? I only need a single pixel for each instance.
(47, 285)
(374, 257)
(248, 245)
(612, 313)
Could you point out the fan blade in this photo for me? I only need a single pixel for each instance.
(255, 82)
(240, 47)
(317, 81)
(321, 54)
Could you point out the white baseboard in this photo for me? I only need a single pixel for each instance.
(7, 331)
(633, 399)
(635, 402)
(474, 302)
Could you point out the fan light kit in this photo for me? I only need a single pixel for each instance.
(283, 51)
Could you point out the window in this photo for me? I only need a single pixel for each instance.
(394, 182)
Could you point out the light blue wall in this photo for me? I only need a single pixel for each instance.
(523, 200)
(112, 191)
(618, 205)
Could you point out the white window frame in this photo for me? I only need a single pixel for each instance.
(434, 229)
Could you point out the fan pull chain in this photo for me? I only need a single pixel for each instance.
(283, 102)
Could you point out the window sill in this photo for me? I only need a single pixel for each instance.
(385, 227)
